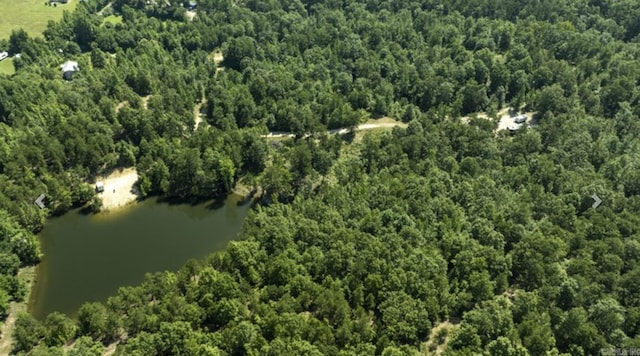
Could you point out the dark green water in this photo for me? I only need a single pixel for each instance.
(87, 258)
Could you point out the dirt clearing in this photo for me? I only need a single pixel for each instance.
(198, 117)
(218, 57)
(119, 188)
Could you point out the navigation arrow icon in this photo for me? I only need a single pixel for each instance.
(596, 202)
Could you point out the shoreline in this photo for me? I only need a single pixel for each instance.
(119, 189)
(122, 178)
(28, 275)
(122, 193)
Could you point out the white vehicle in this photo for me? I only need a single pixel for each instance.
(520, 119)
(3, 55)
(514, 127)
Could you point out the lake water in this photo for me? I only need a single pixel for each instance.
(88, 257)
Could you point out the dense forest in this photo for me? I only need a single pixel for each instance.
(358, 247)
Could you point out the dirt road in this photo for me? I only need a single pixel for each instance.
(369, 125)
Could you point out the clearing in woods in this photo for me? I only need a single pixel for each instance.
(217, 59)
(119, 188)
(31, 15)
(439, 338)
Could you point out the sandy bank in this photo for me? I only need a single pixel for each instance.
(119, 188)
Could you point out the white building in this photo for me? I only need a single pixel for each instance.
(68, 68)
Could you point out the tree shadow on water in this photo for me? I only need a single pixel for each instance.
(215, 204)
(193, 201)
(86, 210)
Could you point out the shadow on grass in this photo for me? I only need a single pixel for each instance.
(348, 137)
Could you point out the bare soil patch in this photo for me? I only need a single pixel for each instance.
(119, 188)
(372, 124)
(120, 105)
(218, 57)
(198, 118)
(145, 101)
(507, 120)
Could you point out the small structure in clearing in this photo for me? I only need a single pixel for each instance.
(40, 201)
(118, 188)
(4, 55)
(517, 122)
(520, 119)
(68, 69)
(513, 121)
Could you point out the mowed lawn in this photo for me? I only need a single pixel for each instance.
(6, 66)
(31, 15)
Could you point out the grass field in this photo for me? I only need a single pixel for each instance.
(6, 66)
(31, 15)
(113, 19)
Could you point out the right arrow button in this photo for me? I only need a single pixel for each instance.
(596, 202)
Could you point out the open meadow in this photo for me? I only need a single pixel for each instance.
(31, 15)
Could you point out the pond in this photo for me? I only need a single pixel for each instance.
(88, 257)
